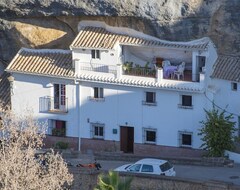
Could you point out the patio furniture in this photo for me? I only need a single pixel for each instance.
(168, 71)
(180, 71)
(166, 63)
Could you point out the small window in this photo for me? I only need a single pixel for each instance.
(150, 136)
(147, 168)
(186, 101)
(98, 131)
(234, 86)
(98, 92)
(185, 139)
(150, 98)
(95, 54)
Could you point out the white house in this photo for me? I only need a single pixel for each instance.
(119, 89)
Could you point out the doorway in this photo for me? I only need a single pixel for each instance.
(126, 139)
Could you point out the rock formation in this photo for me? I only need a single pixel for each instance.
(53, 23)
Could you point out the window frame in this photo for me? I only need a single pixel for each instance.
(97, 94)
(97, 125)
(146, 100)
(95, 54)
(145, 136)
(182, 105)
(234, 86)
(60, 131)
(180, 136)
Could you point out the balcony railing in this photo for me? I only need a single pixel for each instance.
(140, 71)
(98, 67)
(51, 104)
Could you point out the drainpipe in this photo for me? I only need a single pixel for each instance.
(78, 112)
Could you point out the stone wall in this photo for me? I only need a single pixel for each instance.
(50, 141)
(87, 179)
(95, 145)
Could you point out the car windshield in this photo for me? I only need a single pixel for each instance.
(166, 166)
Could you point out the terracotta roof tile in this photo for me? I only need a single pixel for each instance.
(227, 68)
(5, 89)
(98, 37)
(45, 62)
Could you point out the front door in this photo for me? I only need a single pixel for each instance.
(126, 139)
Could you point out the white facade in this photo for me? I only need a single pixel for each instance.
(119, 100)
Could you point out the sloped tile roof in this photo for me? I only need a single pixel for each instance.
(99, 37)
(141, 82)
(5, 89)
(43, 62)
(227, 68)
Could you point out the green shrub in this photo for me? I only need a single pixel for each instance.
(61, 145)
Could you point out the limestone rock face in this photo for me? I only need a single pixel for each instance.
(53, 23)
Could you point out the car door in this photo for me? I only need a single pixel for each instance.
(147, 169)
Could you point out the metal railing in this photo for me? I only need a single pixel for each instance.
(140, 71)
(98, 67)
(51, 104)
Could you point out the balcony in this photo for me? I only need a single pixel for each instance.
(53, 105)
(95, 67)
(148, 73)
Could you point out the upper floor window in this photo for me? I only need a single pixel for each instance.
(98, 131)
(97, 94)
(150, 98)
(59, 96)
(186, 101)
(95, 54)
(150, 135)
(185, 139)
(234, 86)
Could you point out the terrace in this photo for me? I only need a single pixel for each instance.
(146, 71)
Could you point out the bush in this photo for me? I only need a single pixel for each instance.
(61, 145)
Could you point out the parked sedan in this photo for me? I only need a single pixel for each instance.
(149, 166)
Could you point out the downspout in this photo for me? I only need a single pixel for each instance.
(78, 113)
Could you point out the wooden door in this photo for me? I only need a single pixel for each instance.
(126, 139)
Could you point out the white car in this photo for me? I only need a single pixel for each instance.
(149, 166)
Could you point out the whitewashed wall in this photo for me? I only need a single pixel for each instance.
(123, 105)
(27, 91)
(107, 57)
(226, 98)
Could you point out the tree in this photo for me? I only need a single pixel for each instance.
(20, 138)
(217, 132)
(112, 181)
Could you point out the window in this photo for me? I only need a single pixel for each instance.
(147, 168)
(165, 167)
(135, 168)
(98, 131)
(186, 101)
(150, 136)
(150, 98)
(59, 96)
(97, 94)
(185, 139)
(234, 86)
(57, 128)
(95, 54)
